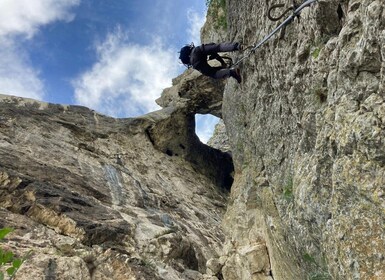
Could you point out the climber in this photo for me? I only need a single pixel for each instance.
(196, 57)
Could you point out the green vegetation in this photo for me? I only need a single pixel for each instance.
(318, 45)
(321, 272)
(217, 10)
(309, 259)
(9, 264)
(316, 52)
(320, 276)
(288, 189)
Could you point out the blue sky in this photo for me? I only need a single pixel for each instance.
(113, 56)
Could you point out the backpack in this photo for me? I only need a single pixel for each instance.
(185, 54)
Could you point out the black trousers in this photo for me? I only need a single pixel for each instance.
(199, 56)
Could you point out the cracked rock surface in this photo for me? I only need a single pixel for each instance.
(307, 133)
(301, 146)
(93, 198)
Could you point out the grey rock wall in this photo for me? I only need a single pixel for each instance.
(101, 198)
(306, 129)
(93, 197)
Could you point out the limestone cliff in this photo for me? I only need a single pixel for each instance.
(302, 148)
(307, 133)
(93, 197)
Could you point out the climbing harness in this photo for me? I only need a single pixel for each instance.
(223, 59)
(287, 21)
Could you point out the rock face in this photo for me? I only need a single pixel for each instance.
(102, 198)
(307, 133)
(93, 198)
(194, 92)
(220, 140)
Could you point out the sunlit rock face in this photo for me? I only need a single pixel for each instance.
(174, 132)
(301, 147)
(93, 197)
(306, 129)
(196, 93)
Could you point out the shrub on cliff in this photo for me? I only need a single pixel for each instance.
(9, 264)
(217, 10)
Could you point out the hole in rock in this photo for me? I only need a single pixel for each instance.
(169, 152)
(340, 12)
(204, 126)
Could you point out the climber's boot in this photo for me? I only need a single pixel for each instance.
(236, 74)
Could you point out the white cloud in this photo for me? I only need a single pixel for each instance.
(24, 17)
(19, 21)
(17, 77)
(127, 78)
(196, 22)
